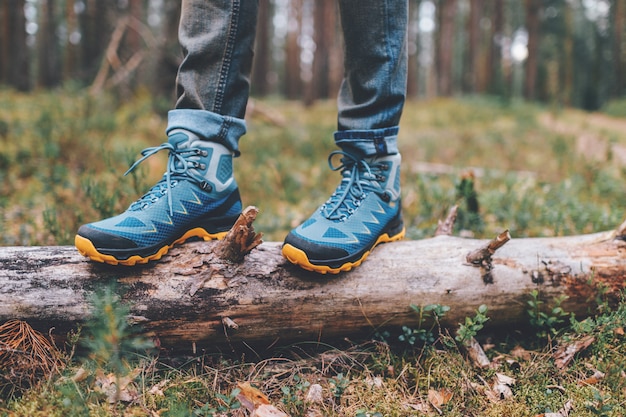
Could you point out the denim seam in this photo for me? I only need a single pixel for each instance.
(228, 55)
(223, 133)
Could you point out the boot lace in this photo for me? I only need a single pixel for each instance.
(181, 165)
(359, 178)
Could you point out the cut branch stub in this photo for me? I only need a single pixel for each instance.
(241, 238)
(481, 257)
(446, 227)
(620, 233)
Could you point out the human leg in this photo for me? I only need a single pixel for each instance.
(197, 196)
(365, 209)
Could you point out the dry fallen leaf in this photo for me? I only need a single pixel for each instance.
(80, 375)
(268, 410)
(314, 394)
(421, 407)
(477, 354)
(593, 379)
(438, 398)
(251, 397)
(375, 382)
(563, 412)
(519, 352)
(501, 386)
(118, 388)
(158, 388)
(565, 354)
(505, 379)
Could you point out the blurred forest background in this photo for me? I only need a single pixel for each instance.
(504, 89)
(566, 52)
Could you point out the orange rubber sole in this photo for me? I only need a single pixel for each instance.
(86, 248)
(298, 257)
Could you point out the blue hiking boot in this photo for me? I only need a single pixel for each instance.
(363, 211)
(196, 198)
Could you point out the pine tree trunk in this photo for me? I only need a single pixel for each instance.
(47, 46)
(293, 81)
(495, 74)
(473, 50)
(14, 59)
(445, 46)
(532, 25)
(262, 50)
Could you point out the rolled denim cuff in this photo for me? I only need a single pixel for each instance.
(210, 126)
(365, 143)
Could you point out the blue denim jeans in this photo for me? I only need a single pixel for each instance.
(217, 37)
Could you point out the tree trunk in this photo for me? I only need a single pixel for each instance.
(262, 50)
(14, 59)
(193, 298)
(445, 46)
(568, 61)
(70, 59)
(619, 14)
(95, 27)
(293, 81)
(168, 55)
(473, 46)
(48, 46)
(532, 25)
(325, 29)
(494, 74)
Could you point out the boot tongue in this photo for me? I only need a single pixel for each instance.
(179, 140)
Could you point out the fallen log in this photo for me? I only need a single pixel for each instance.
(191, 298)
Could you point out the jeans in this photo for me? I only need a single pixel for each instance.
(217, 38)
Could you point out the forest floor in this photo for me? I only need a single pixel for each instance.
(538, 171)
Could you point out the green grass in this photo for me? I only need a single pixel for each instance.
(63, 155)
(537, 172)
(365, 378)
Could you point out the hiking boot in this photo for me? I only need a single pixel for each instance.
(363, 211)
(196, 198)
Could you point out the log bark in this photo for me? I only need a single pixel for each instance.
(190, 299)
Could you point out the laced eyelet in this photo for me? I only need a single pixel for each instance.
(385, 197)
(205, 186)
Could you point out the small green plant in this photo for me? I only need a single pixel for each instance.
(545, 323)
(600, 406)
(55, 227)
(421, 335)
(111, 339)
(338, 385)
(225, 404)
(472, 325)
(468, 215)
(100, 198)
(366, 413)
(293, 395)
